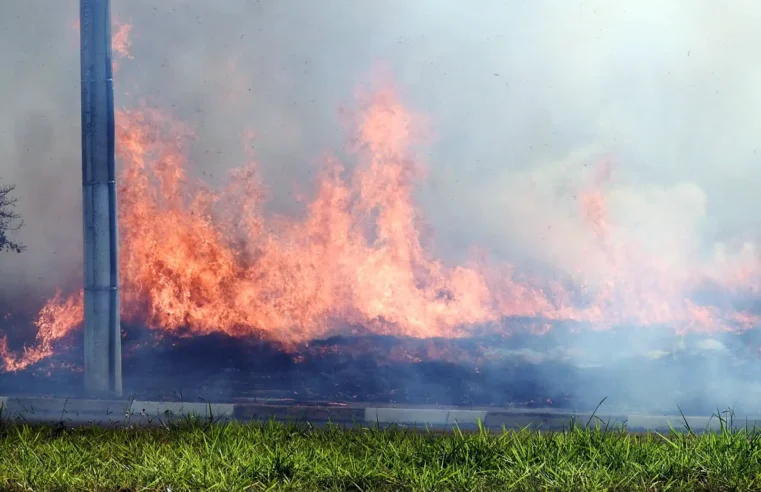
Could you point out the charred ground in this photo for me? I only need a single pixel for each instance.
(561, 369)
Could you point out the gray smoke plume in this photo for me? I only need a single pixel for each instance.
(525, 98)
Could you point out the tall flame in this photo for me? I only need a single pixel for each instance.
(198, 260)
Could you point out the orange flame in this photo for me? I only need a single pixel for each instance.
(121, 41)
(293, 281)
(59, 316)
(195, 260)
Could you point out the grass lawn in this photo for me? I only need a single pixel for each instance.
(197, 455)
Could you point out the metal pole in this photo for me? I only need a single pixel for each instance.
(103, 359)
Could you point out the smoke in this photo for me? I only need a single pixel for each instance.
(525, 99)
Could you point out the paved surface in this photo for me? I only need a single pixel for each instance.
(124, 412)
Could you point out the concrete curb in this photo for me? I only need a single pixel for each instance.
(135, 412)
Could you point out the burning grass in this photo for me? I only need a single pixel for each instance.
(562, 370)
(559, 370)
(201, 455)
(198, 260)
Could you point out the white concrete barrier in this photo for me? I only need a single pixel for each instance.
(126, 412)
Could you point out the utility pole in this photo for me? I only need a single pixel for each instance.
(103, 358)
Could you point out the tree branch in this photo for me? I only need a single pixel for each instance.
(10, 221)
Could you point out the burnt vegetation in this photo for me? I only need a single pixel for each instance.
(10, 221)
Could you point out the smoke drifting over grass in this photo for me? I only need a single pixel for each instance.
(524, 98)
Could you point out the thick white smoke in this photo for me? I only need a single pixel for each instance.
(525, 99)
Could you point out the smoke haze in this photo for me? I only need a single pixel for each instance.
(524, 99)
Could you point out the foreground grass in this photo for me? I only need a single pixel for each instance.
(196, 455)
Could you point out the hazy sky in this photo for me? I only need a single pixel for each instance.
(524, 97)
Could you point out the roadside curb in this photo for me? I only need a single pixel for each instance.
(136, 412)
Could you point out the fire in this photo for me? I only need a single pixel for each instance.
(356, 260)
(57, 318)
(197, 260)
(121, 42)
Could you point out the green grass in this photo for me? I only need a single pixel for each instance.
(197, 455)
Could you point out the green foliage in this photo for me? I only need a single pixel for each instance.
(199, 455)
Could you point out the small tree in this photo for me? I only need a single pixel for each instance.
(10, 221)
